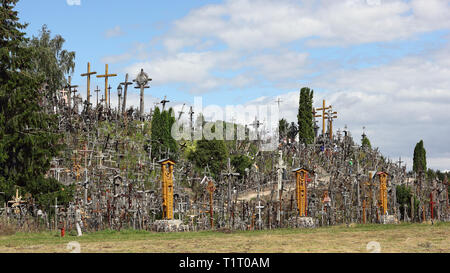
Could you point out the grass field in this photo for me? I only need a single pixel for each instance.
(392, 238)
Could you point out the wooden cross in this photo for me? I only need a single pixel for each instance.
(164, 101)
(142, 79)
(331, 116)
(125, 84)
(70, 86)
(106, 76)
(88, 75)
(64, 96)
(211, 188)
(96, 91)
(323, 116)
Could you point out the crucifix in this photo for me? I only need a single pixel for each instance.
(256, 124)
(88, 75)
(70, 86)
(64, 96)
(125, 84)
(163, 102)
(141, 80)
(278, 101)
(323, 116)
(106, 76)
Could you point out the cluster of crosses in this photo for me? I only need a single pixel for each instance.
(119, 183)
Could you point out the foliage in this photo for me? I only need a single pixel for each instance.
(420, 158)
(161, 138)
(305, 116)
(292, 131)
(28, 138)
(365, 143)
(51, 60)
(212, 153)
(283, 127)
(240, 163)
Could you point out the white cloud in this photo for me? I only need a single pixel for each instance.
(114, 32)
(73, 2)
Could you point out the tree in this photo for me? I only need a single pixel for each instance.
(365, 142)
(161, 138)
(52, 61)
(240, 163)
(212, 153)
(28, 135)
(283, 126)
(292, 131)
(420, 158)
(305, 116)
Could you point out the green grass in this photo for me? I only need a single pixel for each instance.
(48, 238)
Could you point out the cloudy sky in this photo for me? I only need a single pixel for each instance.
(382, 64)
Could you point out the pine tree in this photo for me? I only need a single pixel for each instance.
(305, 116)
(283, 126)
(420, 158)
(365, 142)
(28, 138)
(162, 140)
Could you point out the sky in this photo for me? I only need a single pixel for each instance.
(382, 64)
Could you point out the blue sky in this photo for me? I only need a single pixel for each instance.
(383, 64)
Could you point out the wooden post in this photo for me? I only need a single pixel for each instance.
(211, 188)
(301, 177)
(167, 187)
(125, 84)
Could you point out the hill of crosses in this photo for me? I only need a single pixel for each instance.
(124, 170)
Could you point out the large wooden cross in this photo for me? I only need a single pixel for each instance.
(106, 76)
(331, 116)
(323, 116)
(88, 87)
(125, 84)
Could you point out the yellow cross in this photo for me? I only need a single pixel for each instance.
(88, 75)
(106, 76)
(323, 116)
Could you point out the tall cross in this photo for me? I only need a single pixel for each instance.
(323, 116)
(278, 101)
(399, 162)
(106, 76)
(88, 75)
(164, 101)
(96, 91)
(125, 84)
(142, 79)
(70, 86)
(64, 96)
(331, 116)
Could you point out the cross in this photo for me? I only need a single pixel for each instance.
(331, 116)
(256, 124)
(70, 86)
(106, 76)
(323, 116)
(259, 207)
(125, 84)
(96, 91)
(64, 96)
(181, 112)
(164, 101)
(278, 101)
(229, 174)
(142, 79)
(399, 162)
(88, 75)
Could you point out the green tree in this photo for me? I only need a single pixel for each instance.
(283, 127)
(365, 142)
(240, 163)
(212, 153)
(28, 136)
(161, 138)
(51, 60)
(420, 158)
(305, 116)
(292, 131)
